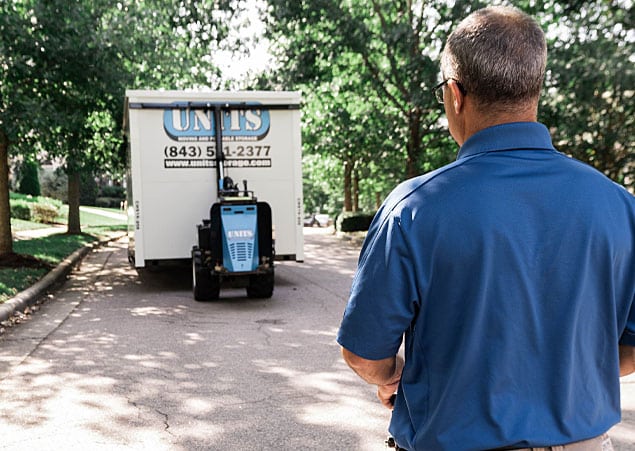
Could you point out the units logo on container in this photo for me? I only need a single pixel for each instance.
(196, 124)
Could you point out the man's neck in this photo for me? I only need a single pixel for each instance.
(475, 120)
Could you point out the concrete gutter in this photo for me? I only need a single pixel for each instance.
(30, 295)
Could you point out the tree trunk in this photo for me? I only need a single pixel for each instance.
(348, 175)
(6, 240)
(414, 150)
(74, 227)
(355, 190)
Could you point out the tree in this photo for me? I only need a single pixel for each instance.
(353, 130)
(88, 52)
(65, 66)
(72, 50)
(6, 239)
(152, 44)
(384, 54)
(18, 101)
(379, 53)
(588, 103)
(175, 42)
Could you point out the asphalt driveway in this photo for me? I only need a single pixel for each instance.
(121, 360)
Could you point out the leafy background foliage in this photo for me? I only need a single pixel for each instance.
(365, 69)
(367, 66)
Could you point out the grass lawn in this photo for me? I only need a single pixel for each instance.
(88, 217)
(52, 249)
(20, 224)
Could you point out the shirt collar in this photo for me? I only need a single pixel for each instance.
(511, 136)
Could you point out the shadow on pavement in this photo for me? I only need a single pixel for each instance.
(140, 364)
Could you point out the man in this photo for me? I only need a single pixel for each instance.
(510, 272)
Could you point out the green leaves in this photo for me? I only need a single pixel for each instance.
(66, 65)
(365, 67)
(589, 89)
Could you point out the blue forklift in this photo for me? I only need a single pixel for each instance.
(235, 244)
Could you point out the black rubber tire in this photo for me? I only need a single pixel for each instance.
(260, 286)
(205, 286)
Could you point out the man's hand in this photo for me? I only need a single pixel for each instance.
(385, 373)
(386, 394)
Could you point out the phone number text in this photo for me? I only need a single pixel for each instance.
(193, 151)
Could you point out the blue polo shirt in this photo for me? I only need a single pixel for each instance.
(511, 275)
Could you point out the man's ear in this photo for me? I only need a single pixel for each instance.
(458, 99)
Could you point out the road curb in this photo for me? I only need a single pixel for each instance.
(30, 295)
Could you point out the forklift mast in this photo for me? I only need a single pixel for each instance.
(236, 242)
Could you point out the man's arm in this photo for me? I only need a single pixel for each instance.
(627, 360)
(385, 373)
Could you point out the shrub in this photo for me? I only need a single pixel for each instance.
(108, 202)
(353, 221)
(38, 209)
(20, 209)
(52, 202)
(29, 182)
(115, 191)
(44, 212)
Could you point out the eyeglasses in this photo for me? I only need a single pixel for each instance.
(438, 89)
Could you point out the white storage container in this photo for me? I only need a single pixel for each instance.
(172, 180)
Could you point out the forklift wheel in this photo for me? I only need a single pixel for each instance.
(260, 286)
(205, 286)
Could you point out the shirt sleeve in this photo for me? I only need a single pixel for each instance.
(383, 300)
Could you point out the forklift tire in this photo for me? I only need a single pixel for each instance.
(205, 286)
(260, 286)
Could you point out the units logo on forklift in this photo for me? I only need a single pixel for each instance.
(183, 123)
(240, 234)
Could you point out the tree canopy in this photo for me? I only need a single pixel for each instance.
(67, 64)
(590, 86)
(365, 68)
(378, 60)
(371, 65)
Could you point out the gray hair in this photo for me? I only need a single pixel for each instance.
(498, 54)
